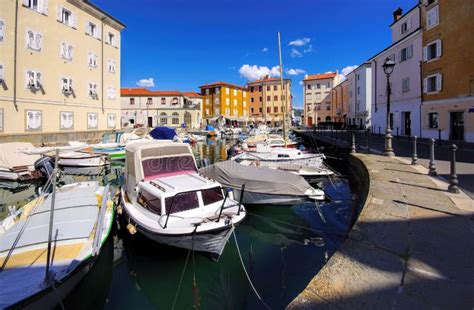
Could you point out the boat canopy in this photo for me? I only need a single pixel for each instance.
(11, 155)
(163, 133)
(149, 160)
(256, 179)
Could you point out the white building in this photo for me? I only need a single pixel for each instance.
(360, 95)
(406, 51)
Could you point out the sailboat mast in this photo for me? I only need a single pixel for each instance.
(281, 91)
(51, 215)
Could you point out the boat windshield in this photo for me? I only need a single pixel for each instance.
(181, 202)
(211, 195)
(167, 166)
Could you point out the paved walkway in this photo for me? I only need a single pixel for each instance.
(411, 248)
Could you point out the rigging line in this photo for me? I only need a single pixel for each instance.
(181, 280)
(57, 295)
(245, 270)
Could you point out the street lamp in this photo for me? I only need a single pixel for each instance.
(388, 69)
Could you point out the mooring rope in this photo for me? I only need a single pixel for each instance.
(245, 270)
(181, 279)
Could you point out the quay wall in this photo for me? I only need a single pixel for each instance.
(55, 138)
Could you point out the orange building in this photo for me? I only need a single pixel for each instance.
(448, 70)
(224, 100)
(268, 102)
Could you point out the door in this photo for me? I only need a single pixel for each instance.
(407, 123)
(457, 126)
(310, 121)
(150, 121)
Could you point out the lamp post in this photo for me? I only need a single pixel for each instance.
(388, 69)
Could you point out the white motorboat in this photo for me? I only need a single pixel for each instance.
(300, 169)
(166, 200)
(82, 159)
(16, 165)
(266, 154)
(37, 269)
(262, 185)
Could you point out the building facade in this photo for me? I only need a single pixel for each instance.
(340, 102)
(269, 102)
(405, 98)
(224, 101)
(144, 108)
(360, 96)
(59, 71)
(448, 70)
(317, 98)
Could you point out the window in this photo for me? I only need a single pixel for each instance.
(111, 93)
(149, 101)
(174, 101)
(432, 50)
(329, 85)
(260, 89)
(227, 111)
(432, 83)
(235, 92)
(92, 90)
(2, 30)
(40, 6)
(405, 26)
(405, 85)
(227, 101)
(66, 17)
(309, 87)
(92, 30)
(283, 98)
(227, 91)
(358, 90)
(66, 85)
(251, 99)
(33, 80)
(318, 86)
(275, 87)
(251, 110)
(260, 99)
(275, 109)
(217, 90)
(358, 77)
(328, 107)
(66, 51)
(33, 40)
(212, 195)
(163, 118)
(34, 120)
(110, 39)
(163, 100)
(66, 120)
(111, 120)
(251, 89)
(432, 17)
(111, 66)
(217, 111)
(92, 120)
(207, 91)
(433, 120)
(269, 87)
(260, 110)
(236, 112)
(269, 109)
(244, 94)
(406, 53)
(132, 101)
(92, 59)
(175, 118)
(244, 103)
(275, 98)
(207, 111)
(269, 98)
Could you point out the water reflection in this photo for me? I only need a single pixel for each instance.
(282, 248)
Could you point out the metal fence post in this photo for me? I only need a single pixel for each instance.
(353, 145)
(432, 165)
(439, 136)
(453, 178)
(414, 157)
(368, 140)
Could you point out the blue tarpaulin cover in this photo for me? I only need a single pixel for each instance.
(163, 133)
(209, 128)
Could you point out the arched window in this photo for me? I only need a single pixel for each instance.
(174, 101)
(188, 118)
(175, 119)
(163, 118)
(328, 118)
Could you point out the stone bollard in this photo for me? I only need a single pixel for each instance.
(453, 178)
(432, 165)
(353, 145)
(368, 140)
(414, 157)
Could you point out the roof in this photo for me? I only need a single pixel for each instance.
(191, 94)
(146, 92)
(320, 76)
(407, 37)
(403, 15)
(267, 80)
(221, 83)
(95, 7)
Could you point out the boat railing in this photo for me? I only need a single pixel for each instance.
(169, 211)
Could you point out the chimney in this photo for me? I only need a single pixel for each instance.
(397, 14)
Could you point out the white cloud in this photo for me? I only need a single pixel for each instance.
(309, 49)
(265, 49)
(295, 53)
(346, 70)
(146, 82)
(254, 72)
(301, 82)
(295, 71)
(300, 42)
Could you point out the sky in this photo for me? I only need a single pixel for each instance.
(182, 44)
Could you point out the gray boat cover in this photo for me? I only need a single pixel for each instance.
(256, 179)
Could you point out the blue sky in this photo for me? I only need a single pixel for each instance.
(182, 44)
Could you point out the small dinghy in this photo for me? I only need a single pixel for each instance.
(262, 185)
(166, 200)
(41, 261)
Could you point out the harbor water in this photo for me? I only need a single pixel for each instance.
(282, 248)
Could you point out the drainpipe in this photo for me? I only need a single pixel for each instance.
(15, 52)
(102, 65)
(421, 98)
(375, 86)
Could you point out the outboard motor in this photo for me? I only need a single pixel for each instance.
(45, 165)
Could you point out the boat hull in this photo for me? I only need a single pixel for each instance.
(251, 198)
(87, 161)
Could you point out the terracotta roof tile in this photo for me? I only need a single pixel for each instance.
(267, 80)
(221, 83)
(321, 76)
(191, 94)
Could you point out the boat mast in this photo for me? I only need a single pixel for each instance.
(281, 91)
(51, 215)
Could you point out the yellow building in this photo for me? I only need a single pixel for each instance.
(59, 70)
(448, 70)
(222, 99)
